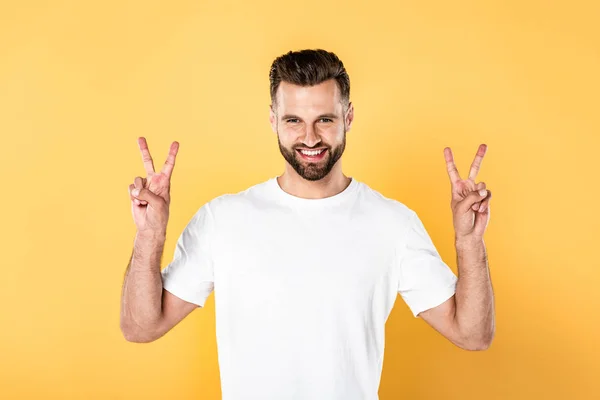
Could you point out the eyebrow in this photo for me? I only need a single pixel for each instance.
(328, 115)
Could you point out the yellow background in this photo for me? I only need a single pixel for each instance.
(80, 81)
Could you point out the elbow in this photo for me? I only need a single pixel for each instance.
(136, 338)
(477, 342)
(136, 335)
(478, 346)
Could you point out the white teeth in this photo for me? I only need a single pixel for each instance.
(311, 153)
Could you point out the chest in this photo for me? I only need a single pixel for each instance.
(291, 262)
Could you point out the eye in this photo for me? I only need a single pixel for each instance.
(291, 120)
(328, 119)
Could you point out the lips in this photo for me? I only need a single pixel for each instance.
(312, 158)
(320, 148)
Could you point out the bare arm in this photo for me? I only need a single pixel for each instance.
(474, 317)
(467, 318)
(147, 310)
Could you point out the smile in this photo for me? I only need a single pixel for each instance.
(312, 155)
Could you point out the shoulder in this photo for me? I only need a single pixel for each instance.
(385, 207)
(229, 204)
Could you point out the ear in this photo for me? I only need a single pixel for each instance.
(272, 118)
(349, 116)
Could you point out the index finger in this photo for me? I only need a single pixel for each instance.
(450, 166)
(477, 161)
(170, 163)
(146, 158)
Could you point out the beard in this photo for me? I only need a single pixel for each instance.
(313, 171)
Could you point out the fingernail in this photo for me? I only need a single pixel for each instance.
(482, 192)
(135, 192)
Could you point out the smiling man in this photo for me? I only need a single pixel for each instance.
(306, 266)
(313, 140)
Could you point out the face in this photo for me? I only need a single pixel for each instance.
(311, 125)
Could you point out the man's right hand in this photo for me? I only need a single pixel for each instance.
(150, 207)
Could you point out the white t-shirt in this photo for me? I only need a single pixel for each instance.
(303, 287)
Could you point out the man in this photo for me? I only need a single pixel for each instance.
(306, 266)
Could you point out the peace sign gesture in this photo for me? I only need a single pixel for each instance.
(150, 197)
(470, 208)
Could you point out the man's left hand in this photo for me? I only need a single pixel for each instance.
(471, 211)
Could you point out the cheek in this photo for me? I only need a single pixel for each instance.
(331, 133)
(290, 131)
(337, 134)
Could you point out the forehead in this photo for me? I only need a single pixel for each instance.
(325, 95)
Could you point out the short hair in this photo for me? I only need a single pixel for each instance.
(307, 68)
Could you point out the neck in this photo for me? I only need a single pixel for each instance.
(335, 182)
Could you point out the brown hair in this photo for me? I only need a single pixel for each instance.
(307, 68)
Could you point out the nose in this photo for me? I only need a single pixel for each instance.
(310, 138)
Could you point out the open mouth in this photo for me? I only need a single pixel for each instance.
(312, 155)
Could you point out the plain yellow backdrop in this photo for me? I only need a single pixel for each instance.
(80, 81)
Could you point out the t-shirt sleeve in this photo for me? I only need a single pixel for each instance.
(190, 275)
(425, 281)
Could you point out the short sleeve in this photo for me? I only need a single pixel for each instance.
(190, 275)
(425, 281)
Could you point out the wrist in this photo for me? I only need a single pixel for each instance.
(151, 236)
(467, 242)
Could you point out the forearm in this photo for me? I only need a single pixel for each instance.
(141, 306)
(474, 313)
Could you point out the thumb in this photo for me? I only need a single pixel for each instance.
(145, 194)
(472, 198)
